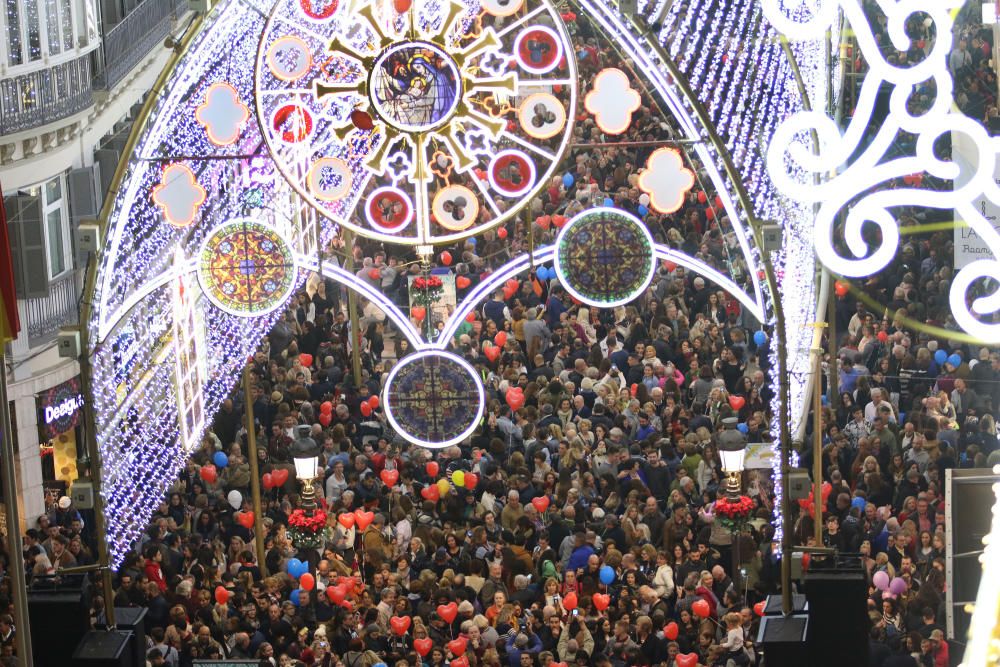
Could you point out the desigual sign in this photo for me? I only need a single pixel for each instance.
(60, 408)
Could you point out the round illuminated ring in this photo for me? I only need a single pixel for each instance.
(401, 431)
(499, 162)
(396, 195)
(321, 16)
(566, 281)
(337, 192)
(386, 114)
(552, 105)
(553, 37)
(301, 49)
(299, 115)
(446, 218)
(495, 8)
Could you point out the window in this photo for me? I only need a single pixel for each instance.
(52, 23)
(15, 48)
(56, 233)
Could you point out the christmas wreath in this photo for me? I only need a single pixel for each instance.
(307, 530)
(732, 513)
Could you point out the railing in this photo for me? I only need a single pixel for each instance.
(44, 316)
(126, 44)
(45, 96)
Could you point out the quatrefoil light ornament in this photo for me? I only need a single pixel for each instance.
(612, 101)
(222, 114)
(179, 195)
(666, 180)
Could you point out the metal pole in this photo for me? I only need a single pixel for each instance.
(352, 312)
(831, 321)
(258, 522)
(22, 636)
(818, 444)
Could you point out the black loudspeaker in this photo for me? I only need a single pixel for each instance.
(134, 620)
(101, 648)
(965, 531)
(772, 605)
(837, 599)
(782, 640)
(62, 610)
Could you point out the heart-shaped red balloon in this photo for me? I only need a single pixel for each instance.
(267, 481)
(471, 479)
(400, 624)
(418, 313)
(501, 338)
(401, 7)
(423, 646)
(337, 593)
(701, 609)
(462, 282)
(389, 477)
(432, 468)
(541, 503)
(221, 595)
(558, 664)
(460, 661)
(671, 630)
(737, 402)
(492, 352)
(457, 646)
(279, 476)
(601, 601)
(431, 493)
(759, 607)
(363, 518)
(209, 473)
(686, 659)
(448, 611)
(346, 520)
(569, 602)
(245, 519)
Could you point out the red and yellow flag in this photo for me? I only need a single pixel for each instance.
(10, 323)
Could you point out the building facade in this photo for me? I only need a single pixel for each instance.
(73, 76)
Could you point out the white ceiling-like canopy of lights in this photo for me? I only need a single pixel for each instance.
(414, 123)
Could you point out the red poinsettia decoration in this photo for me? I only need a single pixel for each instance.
(734, 509)
(428, 283)
(301, 521)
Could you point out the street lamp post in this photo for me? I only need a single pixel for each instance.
(305, 454)
(732, 451)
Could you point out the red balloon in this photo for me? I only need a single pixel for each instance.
(710, 214)
(840, 288)
(671, 630)
(543, 221)
(307, 582)
(457, 646)
(280, 476)
(500, 339)
(569, 602)
(245, 519)
(326, 408)
(541, 503)
(306, 359)
(221, 595)
(718, 201)
(325, 418)
(448, 611)
(883, 336)
(805, 561)
(346, 520)
(446, 258)
(431, 493)
(374, 274)
(686, 659)
(423, 646)
(492, 352)
(209, 473)
(471, 479)
(759, 607)
(559, 220)
(515, 398)
(702, 197)
(669, 266)
(363, 518)
(336, 593)
(462, 282)
(737, 402)
(701, 609)
(366, 409)
(418, 313)
(634, 389)
(470, 317)
(601, 601)
(267, 481)
(460, 661)
(373, 401)
(432, 468)
(389, 477)
(400, 624)
(502, 233)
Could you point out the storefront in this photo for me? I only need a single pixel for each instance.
(60, 414)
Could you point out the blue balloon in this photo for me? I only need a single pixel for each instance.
(743, 428)
(955, 360)
(542, 272)
(859, 503)
(220, 459)
(607, 575)
(759, 338)
(292, 567)
(471, 239)
(294, 597)
(643, 211)
(380, 664)
(824, 400)
(608, 201)
(568, 180)
(940, 357)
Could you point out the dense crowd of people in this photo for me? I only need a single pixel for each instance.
(580, 528)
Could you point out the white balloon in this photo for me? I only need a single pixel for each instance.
(235, 499)
(644, 199)
(973, 362)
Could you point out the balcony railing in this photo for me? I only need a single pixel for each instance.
(43, 317)
(126, 44)
(45, 96)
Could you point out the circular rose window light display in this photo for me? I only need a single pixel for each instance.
(434, 399)
(451, 116)
(246, 268)
(605, 257)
